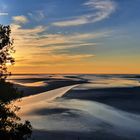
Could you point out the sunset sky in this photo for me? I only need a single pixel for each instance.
(74, 36)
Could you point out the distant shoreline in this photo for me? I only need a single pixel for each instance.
(51, 84)
(75, 74)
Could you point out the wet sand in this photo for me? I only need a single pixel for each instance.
(34, 86)
(125, 98)
(89, 108)
(64, 135)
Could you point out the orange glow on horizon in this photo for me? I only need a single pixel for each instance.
(87, 69)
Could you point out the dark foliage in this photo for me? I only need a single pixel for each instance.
(6, 49)
(10, 126)
(8, 92)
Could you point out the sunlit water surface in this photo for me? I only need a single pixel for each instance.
(49, 111)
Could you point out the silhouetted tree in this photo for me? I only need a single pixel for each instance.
(8, 92)
(6, 49)
(10, 127)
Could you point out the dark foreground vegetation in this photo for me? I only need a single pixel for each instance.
(8, 92)
(10, 126)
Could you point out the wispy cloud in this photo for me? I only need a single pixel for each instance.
(35, 36)
(20, 19)
(40, 47)
(100, 9)
(17, 30)
(37, 15)
(71, 22)
(3, 9)
(33, 41)
(64, 47)
(3, 14)
(51, 59)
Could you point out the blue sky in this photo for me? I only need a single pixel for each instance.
(102, 35)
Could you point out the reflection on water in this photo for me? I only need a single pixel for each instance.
(33, 84)
(112, 82)
(96, 81)
(83, 116)
(48, 112)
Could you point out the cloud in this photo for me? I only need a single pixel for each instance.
(3, 9)
(19, 31)
(51, 59)
(72, 22)
(37, 15)
(3, 14)
(100, 9)
(63, 48)
(20, 19)
(39, 46)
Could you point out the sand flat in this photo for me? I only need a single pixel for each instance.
(30, 102)
(77, 114)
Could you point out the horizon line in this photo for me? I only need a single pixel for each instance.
(76, 73)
